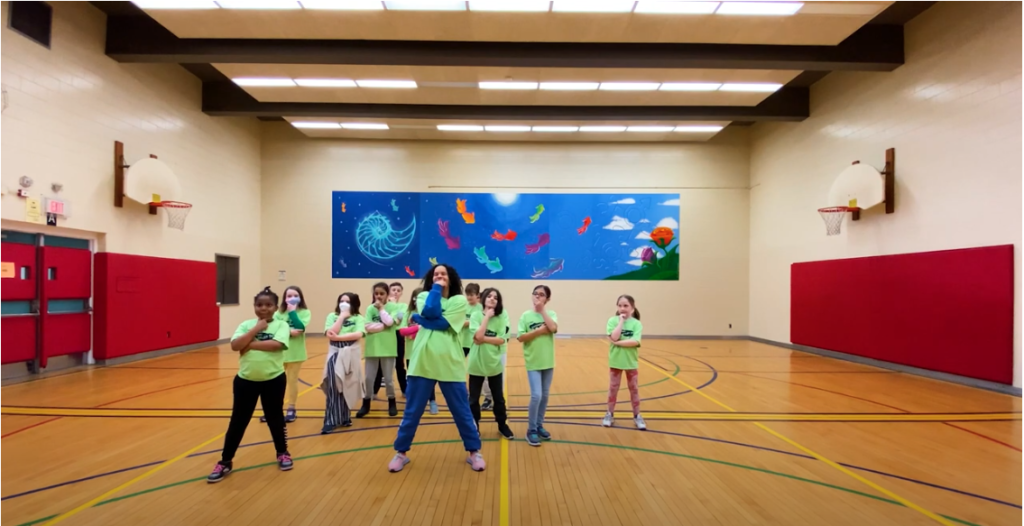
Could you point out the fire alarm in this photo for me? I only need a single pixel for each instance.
(25, 181)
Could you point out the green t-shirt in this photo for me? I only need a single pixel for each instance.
(625, 358)
(382, 344)
(260, 366)
(540, 351)
(296, 344)
(467, 336)
(437, 355)
(485, 359)
(351, 324)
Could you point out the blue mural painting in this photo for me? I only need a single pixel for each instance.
(388, 235)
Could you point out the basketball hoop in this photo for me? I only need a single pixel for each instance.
(176, 213)
(834, 216)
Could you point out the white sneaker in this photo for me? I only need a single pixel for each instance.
(608, 420)
(640, 424)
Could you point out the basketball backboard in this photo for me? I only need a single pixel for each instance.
(858, 186)
(151, 181)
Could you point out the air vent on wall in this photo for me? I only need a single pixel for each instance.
(32, 19)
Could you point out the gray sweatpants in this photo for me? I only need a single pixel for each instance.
(387, 366)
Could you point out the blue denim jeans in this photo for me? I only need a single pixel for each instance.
(540, 388)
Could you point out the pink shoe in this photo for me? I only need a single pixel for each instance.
(476, 461)
(398, 462)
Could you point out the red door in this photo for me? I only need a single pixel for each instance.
(66, 312)
(18, 289)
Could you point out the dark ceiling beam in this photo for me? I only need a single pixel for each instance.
(141, 39)
(225, 99)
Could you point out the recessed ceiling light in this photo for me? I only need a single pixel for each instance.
(386, 83)
(699, 129)
(460, 127)
(326, 83)
(756, 87)
(555, 129)
(592, 6)
(317, 125)
(364, 126)
(258, 4)
(690, 86)
(569, 86)
(520, 6)
(264, 82)
(425, 5)
(346, 5)
(650, 129)
(176, 4)
(508, 85)
(675, 8)
(629, 86)
(759, 8)
(603, 129)
(506, 128)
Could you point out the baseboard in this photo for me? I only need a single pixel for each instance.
(160, 352)
(934, 375)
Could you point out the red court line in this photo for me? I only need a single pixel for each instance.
(975, 433)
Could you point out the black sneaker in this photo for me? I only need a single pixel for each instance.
(365, 410)
(506, 432)
(220, 471)
(488, 405)
(392, 407)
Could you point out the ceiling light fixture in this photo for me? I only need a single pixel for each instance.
(751, 87)
(675, 8)
(386, 83)
(517, 6)
(364, 126)
(506, 128)
(344, 5)
(264, 82)
(425, 5)
(326, 83)
(176, 4)
(258, 4)
(603, 129)
(592, 6)
(508, 85)
(650, 129)
(555, 129)
(629, 86)
(699, 129)
(569, 86)
(317, 125)
(460, 127)
(690, 86)
(759, 8)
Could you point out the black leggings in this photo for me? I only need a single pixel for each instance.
(247, 392)
(476, 384)
(399, 368)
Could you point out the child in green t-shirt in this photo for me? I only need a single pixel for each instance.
(259, 343)
(381, 347)
(343, 381)
(294, 312)
(624, 333)
(537, 328)
(490, 336)
(472, 294)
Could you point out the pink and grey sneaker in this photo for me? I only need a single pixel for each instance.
(220, 471)
(476, 461)
(398, 462)
(284, 462)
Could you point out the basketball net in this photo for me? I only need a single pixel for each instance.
(833, 217)
(176, 213)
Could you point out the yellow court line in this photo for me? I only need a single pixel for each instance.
(931, 515)
(145, 475)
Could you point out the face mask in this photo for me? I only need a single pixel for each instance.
(293, 301)
(344, 306)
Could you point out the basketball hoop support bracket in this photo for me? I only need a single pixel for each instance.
(119, 167)
(889, 172)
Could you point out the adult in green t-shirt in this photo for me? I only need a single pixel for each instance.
(624, 334)
(437, 358)
(489, 329)
(259, 343)
(537, 328)
(381, 347)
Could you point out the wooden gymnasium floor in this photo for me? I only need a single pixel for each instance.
(737, 451)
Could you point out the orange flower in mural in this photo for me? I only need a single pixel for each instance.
(662, 236)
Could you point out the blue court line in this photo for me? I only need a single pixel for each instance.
(669, 433)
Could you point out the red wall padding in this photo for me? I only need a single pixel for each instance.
(948, 311)
(19, 339)
(145, 304)
(22, 256)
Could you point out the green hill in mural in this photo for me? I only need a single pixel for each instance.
(667, 269)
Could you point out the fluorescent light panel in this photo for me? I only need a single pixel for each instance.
(675, 8)
(759, 8)
(176, 4)
(423, 5)
(592, 6)
(555, 129)
(460, 127)
(326, 83)
(650, 129)
(569, 86)
(317, 125)
(264, 82)
(386, 83)
(508, 85)
(751, 87)
(629, 86)
(516, 6)
(603, 129)
(364, 126)
(699, 129)
(690, 86)
(506, 128)
(344, 5)
(258, 4)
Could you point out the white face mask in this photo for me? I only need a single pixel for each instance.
(344, 306)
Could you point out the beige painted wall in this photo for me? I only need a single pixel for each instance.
(299, 175)
(67, 106)
(953, 113)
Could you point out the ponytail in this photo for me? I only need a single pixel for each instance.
(636, 313)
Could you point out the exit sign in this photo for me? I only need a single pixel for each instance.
(58, 206)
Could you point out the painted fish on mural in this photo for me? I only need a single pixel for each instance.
(467, 216)
(494, 265)
(409, 271)
(343, 208)
(555, 265)
(433, 261)
(542, 240)
(394, 207)
(452, 242)
(535, 217)
(509, 235)
(583, 229)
